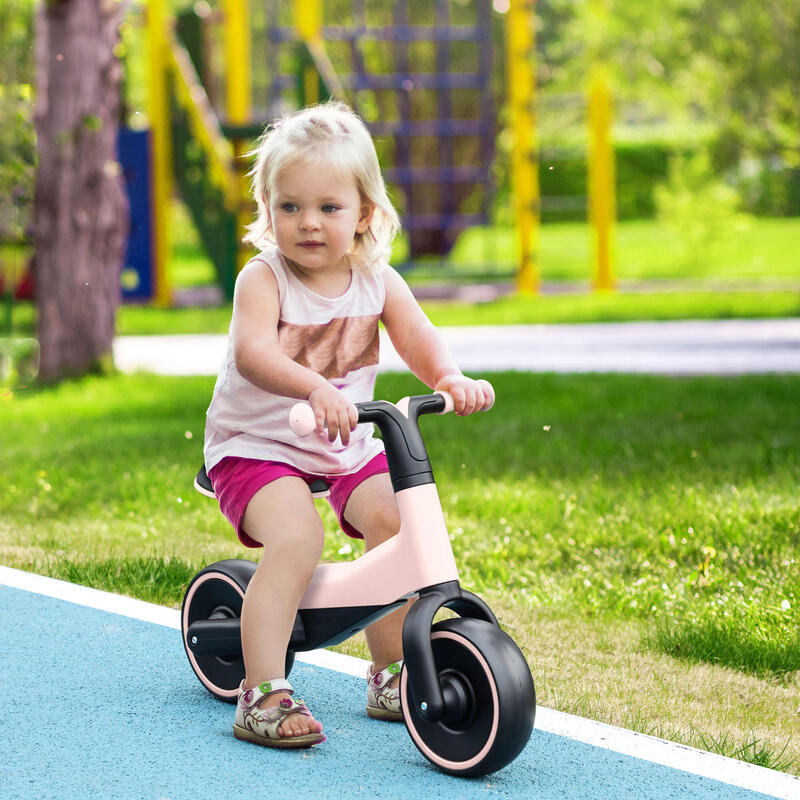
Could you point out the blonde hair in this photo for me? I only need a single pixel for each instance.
(331, 134)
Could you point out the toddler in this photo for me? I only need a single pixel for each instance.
(305, 327)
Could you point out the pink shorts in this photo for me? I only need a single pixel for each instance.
(236, 480)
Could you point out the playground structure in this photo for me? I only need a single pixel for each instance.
(426, 88)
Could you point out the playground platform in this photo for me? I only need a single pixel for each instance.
(687, 347)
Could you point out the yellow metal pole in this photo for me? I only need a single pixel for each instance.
(521, 43)
(238, 82)
(601, 177)
(239, 91)
(602, 180)
(308, 21)
(161, 170)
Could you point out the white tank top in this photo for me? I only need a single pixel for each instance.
(338, 338)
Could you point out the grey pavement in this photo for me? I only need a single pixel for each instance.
(690, 347)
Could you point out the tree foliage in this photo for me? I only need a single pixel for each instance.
(731, 64)
(17, 146)
(752, 59)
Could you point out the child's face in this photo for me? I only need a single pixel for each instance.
(315, 214)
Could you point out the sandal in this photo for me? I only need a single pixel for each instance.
(383, 702)
(260, 725)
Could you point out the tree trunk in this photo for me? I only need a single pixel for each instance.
(80, 206)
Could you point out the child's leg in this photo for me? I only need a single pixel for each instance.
(282, 517)
(372, 510)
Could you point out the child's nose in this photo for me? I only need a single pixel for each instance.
(309, 220)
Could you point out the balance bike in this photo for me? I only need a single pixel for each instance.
(466, 690)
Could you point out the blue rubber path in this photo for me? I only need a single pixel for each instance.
(98, 705)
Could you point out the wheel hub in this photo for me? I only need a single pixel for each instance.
(459, 700)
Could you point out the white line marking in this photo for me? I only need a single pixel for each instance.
(609, 737)
(93, 598)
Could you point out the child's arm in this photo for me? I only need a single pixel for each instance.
(259, 359)
(420, 346)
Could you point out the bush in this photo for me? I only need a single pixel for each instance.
(639, 166)
(697, 207)
(767, 187)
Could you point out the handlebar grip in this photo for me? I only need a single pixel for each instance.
(449, 405)
(303, 423)
(302, 420)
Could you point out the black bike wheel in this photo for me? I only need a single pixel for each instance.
(489, 671)
(214, 593)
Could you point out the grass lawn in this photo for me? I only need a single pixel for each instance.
(755, 273)
(513, 309)
(760, 250)
(637, 535)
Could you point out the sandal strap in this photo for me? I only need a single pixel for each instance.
(265, 721)
(275, 685)
(383, 677)
(252, 697)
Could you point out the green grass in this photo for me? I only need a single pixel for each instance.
(754, 273)
(759, 637)
(638, 535)
(618, 307)
(511, 310)
(761, 249)
(155, 579)
(763, 255)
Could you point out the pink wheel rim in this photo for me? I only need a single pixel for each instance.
(490, 740)
(217, 576)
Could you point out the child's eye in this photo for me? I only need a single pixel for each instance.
(329, 208)
(288, 207)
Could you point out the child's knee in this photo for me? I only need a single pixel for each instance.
(299, 541)
(385, 523)
(307, 537)
(390, 519)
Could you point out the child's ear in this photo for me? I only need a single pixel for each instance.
(364, 220)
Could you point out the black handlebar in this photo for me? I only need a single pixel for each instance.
(409, 464)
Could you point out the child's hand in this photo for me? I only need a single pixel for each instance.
(333, 410)
(468, 395)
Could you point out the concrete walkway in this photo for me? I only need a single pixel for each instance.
(717, 347)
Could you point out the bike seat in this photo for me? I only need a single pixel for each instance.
(319, 487)
(203, 483)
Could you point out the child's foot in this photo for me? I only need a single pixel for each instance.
(383, 692)
(296, 724)
(268, 715)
